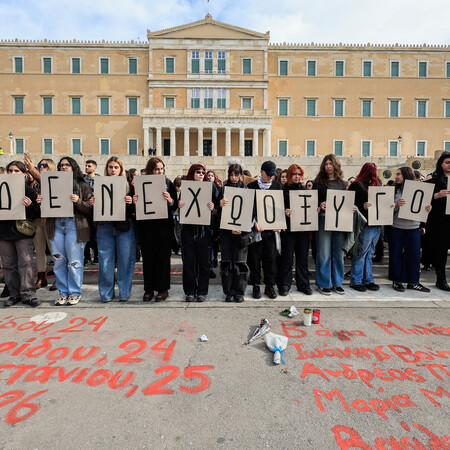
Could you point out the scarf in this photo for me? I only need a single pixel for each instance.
(264, 185)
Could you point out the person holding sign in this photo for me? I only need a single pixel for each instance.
(438, 223)
(233, 264)
(330, 255)
(155, 238)
(264, 251)
(293, 241)
(116, 243)
(404, 241)
(68, 236)
(196, 242)
(361, 271)
(16, 249)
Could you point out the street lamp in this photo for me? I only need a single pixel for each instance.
(399, 139)
(11, 143)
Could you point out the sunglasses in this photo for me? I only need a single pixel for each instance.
(200, 172)
(64, 165)
(43, 165)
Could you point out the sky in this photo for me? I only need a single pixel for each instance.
(292, 21)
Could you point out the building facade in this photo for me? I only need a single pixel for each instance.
(212, 89)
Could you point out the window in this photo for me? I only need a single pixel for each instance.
(338, 148)
(311, 108)
(104, 146)
(169, 102)
(367, 108)
(221, 99)
(339, 108)
(132, 106)
(76, 105)
(104, 65)
(18, 105)
(195, 62)
(282, 107)
(132, 66)
(76, 146)
(246, 66)
(447, 145)
(421, 148)
(221, 62)
(47, 65)
(282, 148)
(208, 62)
(18, 64)
(48, 105)
(367, 68)
(48, 146)
(283, 67)
(423, 69)
(311, 68)
(395, 68)
(104, 105)
(195, 98)
(310, 148)
(339, 68)
(170, 64)
(366, 148)
(394, 108)
(447, 70)
(393, 148)
(132, 146)
(208, 100)
(422, 108)
(75, 65)
(20, 146)
(246, 103)
(447, 108)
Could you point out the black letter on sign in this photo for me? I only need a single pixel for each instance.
(144, 198)
(110, 191)
(265, 209)
(8, 195)
(338, 209)
(376, 203)
(194, 200)
(305, 207)
(233, 216)
(50, 192)
(421, 193)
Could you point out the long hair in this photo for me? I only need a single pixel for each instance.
(407, 174)
(77, 174)
(19, 164)
(368, 175)
(151, 164)
(234, 168)
(216, 181)
(322, 177)
(118, 161)
(50, 162)
(193, 169)
(439, 172)
(291, 169)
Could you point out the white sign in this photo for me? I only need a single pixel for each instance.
(195, 195)
(417, 196)
(381, 211)
(447, 209)
(339, 211)
(151, 203)
(270, 210)
(12, 192)
(56, 189)
(109, 193)
(304, 216)
(237, 213)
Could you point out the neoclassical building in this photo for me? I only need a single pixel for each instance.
(212, 89)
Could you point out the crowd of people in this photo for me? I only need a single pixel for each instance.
(273, 258)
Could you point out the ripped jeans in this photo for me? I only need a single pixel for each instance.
(69, 257)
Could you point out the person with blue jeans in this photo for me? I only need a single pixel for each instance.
(330, 253)
(116, 243)
(68, 237)
(361, 271)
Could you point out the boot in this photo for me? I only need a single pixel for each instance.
(441, 281)
(41, 280)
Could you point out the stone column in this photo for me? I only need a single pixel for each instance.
(173, 142)
(214, 141)
(158, 141)
(255, 141)
(200, 142)
(186, 141)
(267, 137)
(241, 142)
(228, 142)
(146, 140)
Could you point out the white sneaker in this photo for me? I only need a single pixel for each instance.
(73, 299)
(61, 301)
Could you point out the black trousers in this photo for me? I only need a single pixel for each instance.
(296, 242)
(196, 248)
(263, 253)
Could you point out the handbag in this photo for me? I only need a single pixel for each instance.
(26, 227)
(248, 238)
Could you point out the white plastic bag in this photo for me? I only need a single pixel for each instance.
(277, 344)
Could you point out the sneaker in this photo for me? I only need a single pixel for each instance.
(239, 299)
(201, 299)
(372, 287)
(190, 298)
(398, 286)
(229, 298)
(270, 292)
(256, 292)
(358, 287)
(338, 290)
(73, 299)
(61, 301)
(12, 301)
(324, 291)
(418, 287)
(33, 302)
(306, 291)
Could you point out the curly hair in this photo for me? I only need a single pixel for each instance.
(77, 173)
(322, 177)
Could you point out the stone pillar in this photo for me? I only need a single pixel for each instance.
(228, 142)
(186, 141)
(214, 141)
(173, 142)
(158, 141)
(255, 141)
(267, 137)
(200, 142)
(241, 142)
(146, 140)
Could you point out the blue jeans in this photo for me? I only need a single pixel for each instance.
(362, 262)
(330, 257)
(69, 257)
(110, 243)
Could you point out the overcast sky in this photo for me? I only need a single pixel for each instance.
(294, 21)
